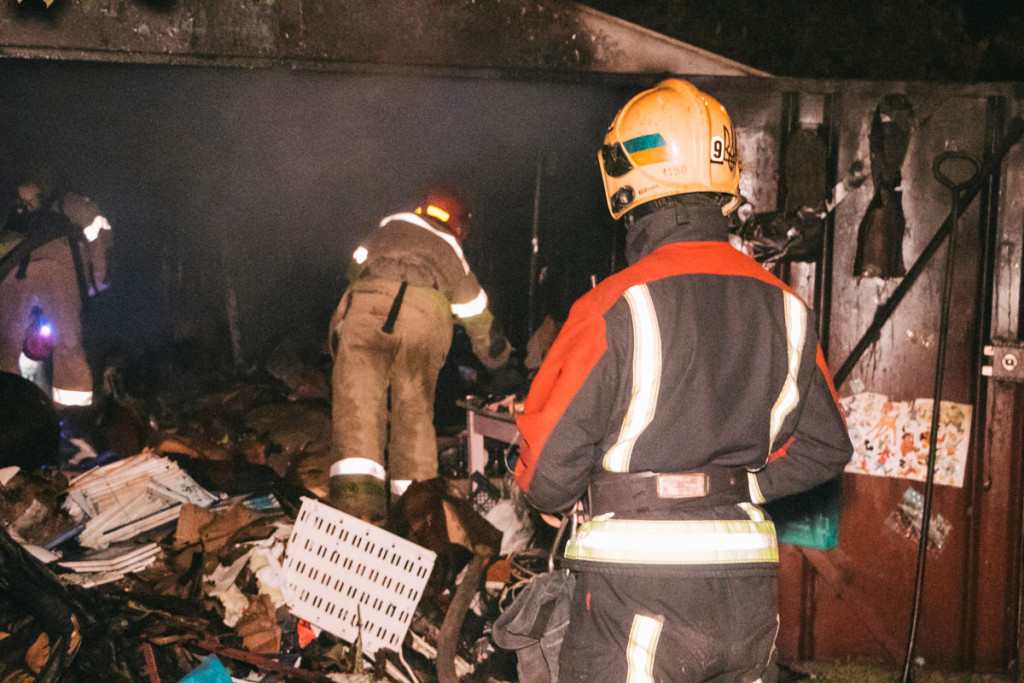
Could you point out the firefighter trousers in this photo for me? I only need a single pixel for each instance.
(373, 368)
(51, 285)
(644, 629)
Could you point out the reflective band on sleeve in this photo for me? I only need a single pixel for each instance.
(796, 330)
(475, 307)
(358, 466)
(67, 397)
(754, 488)
(646, 378)
(667, 542)
(92, 231)
(643, 643)
(419, 222)
(360, 254)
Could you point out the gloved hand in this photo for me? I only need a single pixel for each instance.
(507, 379)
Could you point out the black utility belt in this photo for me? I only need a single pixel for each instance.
(643, 492)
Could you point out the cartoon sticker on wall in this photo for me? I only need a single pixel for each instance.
(891, 438)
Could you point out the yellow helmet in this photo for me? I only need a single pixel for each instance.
(671, 139)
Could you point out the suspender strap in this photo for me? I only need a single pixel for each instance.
(396, 305)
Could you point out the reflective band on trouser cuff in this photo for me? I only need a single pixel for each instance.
(358, 466)
(475, 307)
(67, 397)
(28, 367)
(674, 541)
(643, 642)
(398, 486)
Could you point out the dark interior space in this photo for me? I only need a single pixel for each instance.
(260, 183)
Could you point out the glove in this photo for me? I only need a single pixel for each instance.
(508, 379)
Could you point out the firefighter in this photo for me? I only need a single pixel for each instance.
(63, 242)
(389, 337)
(681, 393)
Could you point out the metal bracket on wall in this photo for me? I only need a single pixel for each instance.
(1007, 361)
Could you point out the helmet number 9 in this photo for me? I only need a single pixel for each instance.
(717, 150)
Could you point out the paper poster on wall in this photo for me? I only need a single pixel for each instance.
(890, 438)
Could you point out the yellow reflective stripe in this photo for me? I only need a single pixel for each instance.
(646, 378)
(438, 213)
(796, 330)
(643, 642)
(674, 541)
(475, 307)
(419, 222)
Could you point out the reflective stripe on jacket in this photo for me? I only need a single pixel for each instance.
(693, 356)
(407, 247)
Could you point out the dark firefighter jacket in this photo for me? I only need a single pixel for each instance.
(694, 357)
(421, 252)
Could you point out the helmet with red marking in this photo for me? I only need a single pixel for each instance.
(449, 206)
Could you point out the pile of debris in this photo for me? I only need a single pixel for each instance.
(196, 545)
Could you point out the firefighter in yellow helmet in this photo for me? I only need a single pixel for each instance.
(409, 282)
(681, 393)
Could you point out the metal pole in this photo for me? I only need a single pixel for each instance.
(940, 371)
(531, 315)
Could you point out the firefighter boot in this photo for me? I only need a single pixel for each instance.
(360, 495)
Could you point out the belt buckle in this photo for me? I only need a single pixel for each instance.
(693, 485)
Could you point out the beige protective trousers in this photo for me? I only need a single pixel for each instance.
(50, 285)
(368, 362)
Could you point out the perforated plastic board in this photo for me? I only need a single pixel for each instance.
(343, 572)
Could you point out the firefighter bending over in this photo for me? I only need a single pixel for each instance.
(389, 338)
(58, 260)
(681, 393)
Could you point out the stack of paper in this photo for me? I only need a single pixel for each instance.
(127, 497)
(110, 564)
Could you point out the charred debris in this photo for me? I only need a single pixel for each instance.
(160, 541)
